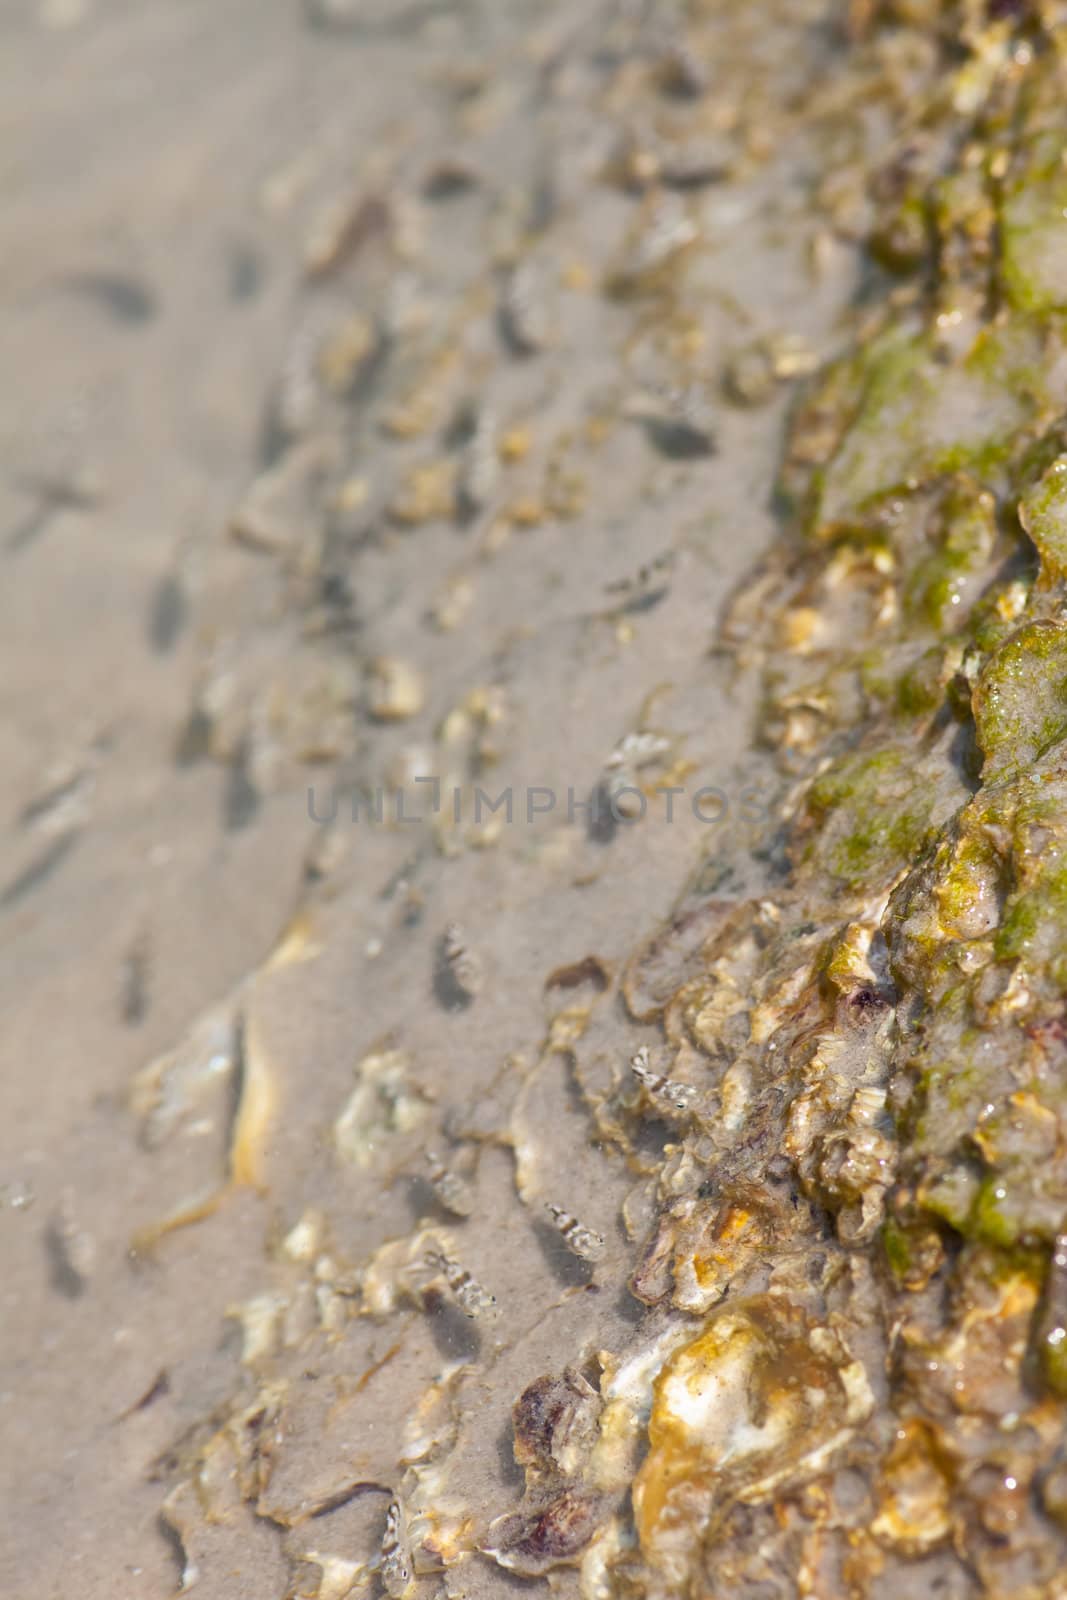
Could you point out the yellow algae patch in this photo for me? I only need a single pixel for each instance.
(914, 1493)
(759, 1399)
(704, 1265)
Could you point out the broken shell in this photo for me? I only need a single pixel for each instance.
(663, 233)
(304, 1240)
(384, 1102)
(453, 1193)
(452, 602)
(552, 1535)
(760, 1399)
(428, 494)
(554, 1422)
(395, 689)
(750, 378)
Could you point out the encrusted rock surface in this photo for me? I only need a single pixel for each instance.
(628, 1155)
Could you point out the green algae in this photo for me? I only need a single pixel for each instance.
(951, 1197)
(935, 589)
(1053, 1350)
(1020, 699)
(873, 815)
(994, 1217)
(967, 888)
(1033, 226)
(1035, 916)
(919, 414)
(1043, 514)
(921, 688)
(898, 1249)
(929, 467)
